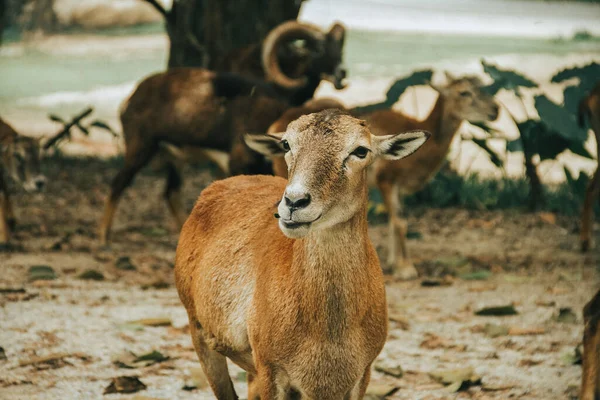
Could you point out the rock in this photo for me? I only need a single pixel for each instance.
(456, 379)
(376, 391)
(125, 264)
(566, 316)
(41, 272)
(125, 384)
(91, 275)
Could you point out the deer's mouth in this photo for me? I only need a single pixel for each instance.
(290, 224)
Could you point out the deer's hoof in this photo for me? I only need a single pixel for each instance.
(406, 272)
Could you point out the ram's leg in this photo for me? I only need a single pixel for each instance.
(173, 193)
(137, 155)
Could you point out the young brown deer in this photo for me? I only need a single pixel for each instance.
(19, 157)
(194, 107)
(461, 99)
(299, 304)
(590, 107)
(590, 382)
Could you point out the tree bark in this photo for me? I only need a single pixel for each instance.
(203, 33)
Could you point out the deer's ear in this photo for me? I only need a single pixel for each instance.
(268, 145)
(395, 147)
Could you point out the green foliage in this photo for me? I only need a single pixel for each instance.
(587, 75)
(422, 77)
(473, 192)
(559, 119)
(506, 79)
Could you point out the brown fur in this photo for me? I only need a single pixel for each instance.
(19, 157)
(590, 107)
(304, 315)
(590, 383)
(409, 175)
(191, 108)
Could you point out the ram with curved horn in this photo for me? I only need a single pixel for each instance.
(194, 108)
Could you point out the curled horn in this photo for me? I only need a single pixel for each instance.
(285, 32)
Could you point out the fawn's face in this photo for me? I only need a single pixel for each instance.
(327, 154)
(21, 159)
(467, 101)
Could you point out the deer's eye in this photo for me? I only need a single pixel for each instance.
(360, 152)
(285, 145)
(465, 93)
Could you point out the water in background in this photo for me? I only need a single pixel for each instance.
(386, 39)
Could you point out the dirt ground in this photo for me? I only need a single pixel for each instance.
(528, 260)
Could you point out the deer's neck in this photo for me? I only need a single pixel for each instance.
(329, 270)
(442, 123)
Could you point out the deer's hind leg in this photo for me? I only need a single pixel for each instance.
(590, 383)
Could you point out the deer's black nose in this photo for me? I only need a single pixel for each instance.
(297, 201)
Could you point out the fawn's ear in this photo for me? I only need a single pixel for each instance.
(395, 147)
(268, 145)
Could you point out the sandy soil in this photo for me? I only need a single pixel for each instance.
(532, 259)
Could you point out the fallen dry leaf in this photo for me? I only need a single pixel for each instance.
(151, 322)
(527, 362)
(549, 218)
(515, 331)
(400, 319)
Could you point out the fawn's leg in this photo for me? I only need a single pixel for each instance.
(398, 258)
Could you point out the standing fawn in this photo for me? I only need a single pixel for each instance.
(299, 304)
(590, 106)
(19, 157)
(590, 383)
(461, 99)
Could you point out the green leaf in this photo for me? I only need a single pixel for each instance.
(514, 145)
(422, 77)
(494, 158)
(587, 75)
(56, 118)
(102, 125)
(497, 311)
(559, 119)
(83, 129)
(506, 79)
(572, 95)
(579, 149)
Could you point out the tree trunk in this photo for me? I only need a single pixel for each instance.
(536, 193)
(203, 32)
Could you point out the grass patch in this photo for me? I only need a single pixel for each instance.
(475, 193)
